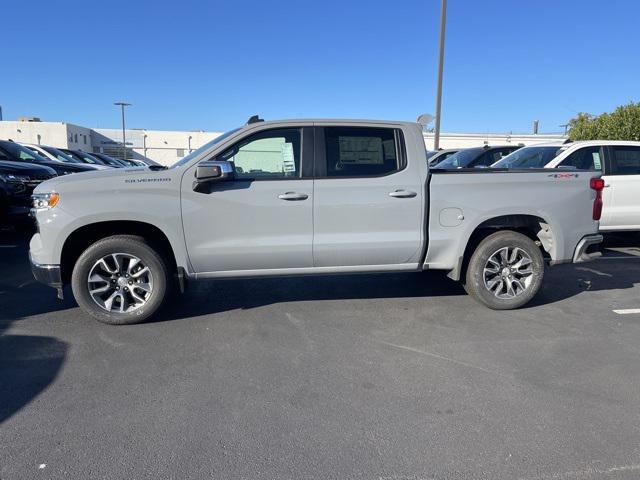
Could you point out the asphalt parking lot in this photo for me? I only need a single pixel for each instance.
(378, 377)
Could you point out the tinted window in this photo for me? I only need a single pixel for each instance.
(461, 159)
(21, 153)
(63, 157)
(492, 156)
(587, 158)
(266, 155)
(359, 152)
(528, 157)
(626, 160)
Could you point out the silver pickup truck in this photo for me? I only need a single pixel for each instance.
(307, 197)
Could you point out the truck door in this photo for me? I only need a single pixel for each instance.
(368, 205)
(622, 187)
(262, 219)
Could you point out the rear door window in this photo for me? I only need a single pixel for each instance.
(587, 158)
(361, 151)
(625, 160)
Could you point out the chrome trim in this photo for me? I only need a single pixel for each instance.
(580, 255)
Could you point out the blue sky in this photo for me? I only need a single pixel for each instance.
(211, 64)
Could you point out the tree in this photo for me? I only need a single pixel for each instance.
(622, 124)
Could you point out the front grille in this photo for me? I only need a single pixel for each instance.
(36, 180)
(41, 177)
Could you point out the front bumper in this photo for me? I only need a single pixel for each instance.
(581, 255)
(47, 274)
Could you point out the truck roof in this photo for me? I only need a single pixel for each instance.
(330, 121)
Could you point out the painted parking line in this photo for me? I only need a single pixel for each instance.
(627, 311)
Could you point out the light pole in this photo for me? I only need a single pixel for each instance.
(443, 22)
(124, 138)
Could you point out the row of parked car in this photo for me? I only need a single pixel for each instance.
(23, 166)
(619, 162)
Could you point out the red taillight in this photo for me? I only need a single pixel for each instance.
(597, 184)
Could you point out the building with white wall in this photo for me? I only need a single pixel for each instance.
(467, 140)
(166, 147)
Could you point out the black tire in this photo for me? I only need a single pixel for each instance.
(475, 284)
(127, 244)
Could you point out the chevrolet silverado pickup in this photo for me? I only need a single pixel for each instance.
(307, 197)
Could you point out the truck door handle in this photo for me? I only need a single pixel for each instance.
(293, 196)
(403, 194)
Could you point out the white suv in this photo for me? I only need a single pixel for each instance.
(619, 161)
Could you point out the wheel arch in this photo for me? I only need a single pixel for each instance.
(86, 235)
(532, 226)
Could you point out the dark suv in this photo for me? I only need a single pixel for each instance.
(17, 181)
(476, 157)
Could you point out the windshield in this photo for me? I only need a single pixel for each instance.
(528, 157)
(22, 153)
(63, 157)
(461, 159)
(206, 146)
(89, 158)
(111, 161)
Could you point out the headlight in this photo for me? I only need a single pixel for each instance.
(45, 201)
(10, 177)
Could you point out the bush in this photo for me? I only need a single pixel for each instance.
(622, 124)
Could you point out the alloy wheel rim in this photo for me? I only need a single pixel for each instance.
(508, 273)
(120, 282)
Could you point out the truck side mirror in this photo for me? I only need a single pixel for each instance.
(211, 171)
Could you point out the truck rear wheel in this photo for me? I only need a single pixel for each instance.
(505, 271)
(120, 280)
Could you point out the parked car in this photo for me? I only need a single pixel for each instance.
(619, 163)
(86, 158)
(17, 181)
(476, 157)
(17, 153)
(107, 160)
(56, 155)
(441, 155)
(260, 201)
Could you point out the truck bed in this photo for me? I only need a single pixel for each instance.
(463, 200)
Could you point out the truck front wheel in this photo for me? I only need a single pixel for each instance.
(120, 280)
(505, 271)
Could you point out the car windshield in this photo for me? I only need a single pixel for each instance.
(461, 159)
(110, 161)
(22, 153)
(206, 146)
(89, 158)
(528, 157)
(63, 157)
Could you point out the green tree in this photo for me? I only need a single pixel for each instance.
(621, 124)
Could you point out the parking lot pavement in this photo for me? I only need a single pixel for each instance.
(377, 376)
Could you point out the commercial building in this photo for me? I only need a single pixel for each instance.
(166, 147)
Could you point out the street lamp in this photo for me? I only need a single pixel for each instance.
(443, 22)
(124, 139)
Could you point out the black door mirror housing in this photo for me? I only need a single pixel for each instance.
(211, 171)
